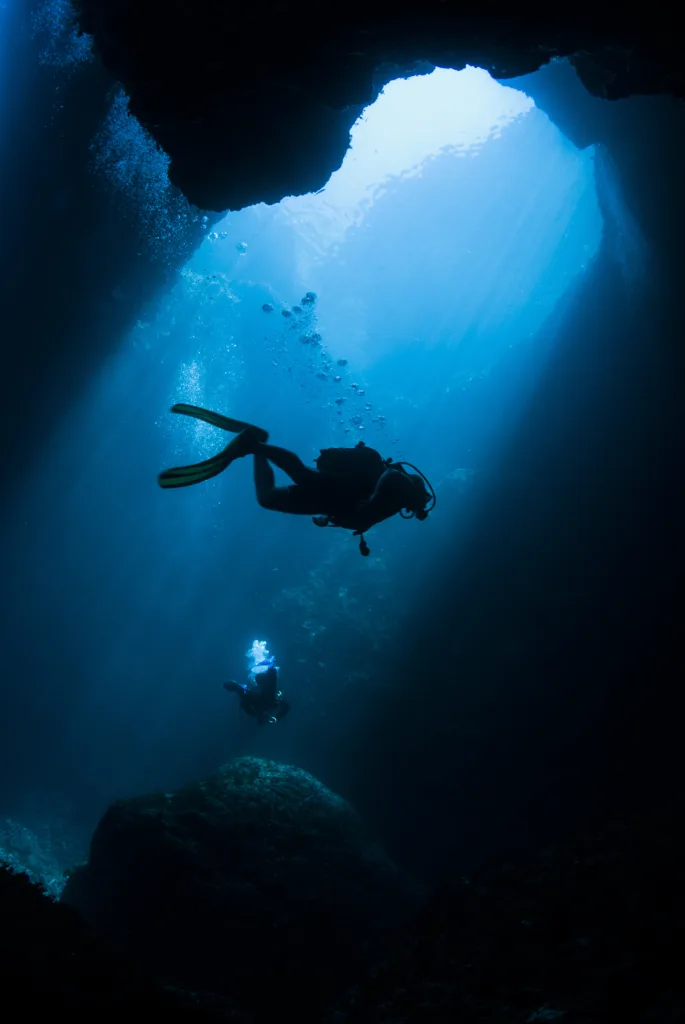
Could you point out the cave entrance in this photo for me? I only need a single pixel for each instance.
(419, 280)
(459, 218)
(383, 306)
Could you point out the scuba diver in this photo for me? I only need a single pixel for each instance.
(260, 697)
(353, 488)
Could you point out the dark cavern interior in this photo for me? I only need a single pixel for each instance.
(476, 812)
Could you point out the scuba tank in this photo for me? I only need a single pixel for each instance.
(350, 460)
(361, 466)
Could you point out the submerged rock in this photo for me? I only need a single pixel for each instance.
(50, 960)
(310, 84)
(589, 930)
(255, 881)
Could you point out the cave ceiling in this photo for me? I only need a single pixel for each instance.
(254, 102)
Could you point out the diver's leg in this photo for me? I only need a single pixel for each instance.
(290, 463)
(246, 442)
(264, 479)
(301, 498)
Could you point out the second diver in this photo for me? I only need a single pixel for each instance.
(262, 699)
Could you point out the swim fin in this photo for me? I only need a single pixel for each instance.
(185, 476)
(217, 420)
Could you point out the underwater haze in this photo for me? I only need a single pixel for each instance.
(414, 304)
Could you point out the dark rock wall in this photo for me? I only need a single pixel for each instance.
(561, 700)
(587, 574)
(644, 137)
(75, 267)
(586, 931)
(254, 103)
(49, 960)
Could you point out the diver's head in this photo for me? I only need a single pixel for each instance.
(419, 496)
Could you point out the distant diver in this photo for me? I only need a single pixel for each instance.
(353, 488)
(260, 697)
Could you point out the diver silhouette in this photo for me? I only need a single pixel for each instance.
(261, 699)
(352, 488)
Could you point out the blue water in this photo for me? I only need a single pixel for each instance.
(132, 605)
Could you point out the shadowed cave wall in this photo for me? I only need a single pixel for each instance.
(587, 575)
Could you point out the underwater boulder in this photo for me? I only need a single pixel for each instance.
(255, 881)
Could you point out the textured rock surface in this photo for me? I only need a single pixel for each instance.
(43, 853)
(254, 102)
(50, 962)
(582, 933)
(258, 874)
(80, 256)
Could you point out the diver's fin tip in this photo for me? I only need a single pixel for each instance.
(216, 419)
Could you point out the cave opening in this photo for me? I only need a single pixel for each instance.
(404, 304)
(490, 287)
(457, 222)
(416, 302)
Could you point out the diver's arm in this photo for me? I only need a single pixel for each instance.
(234, 687)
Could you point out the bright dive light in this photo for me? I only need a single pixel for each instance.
(259, 659)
